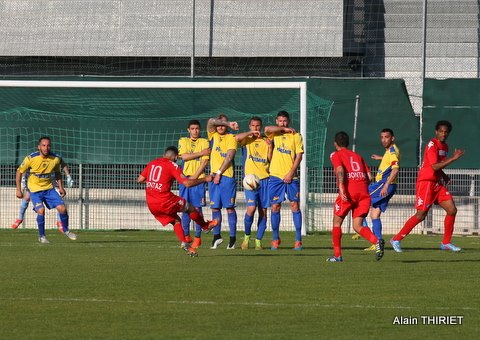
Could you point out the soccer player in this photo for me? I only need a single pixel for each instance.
(26, 195)
(385, 185)
(194, 152)
(159, 175)
(257, 153)
(352, 176)
(41, 165)
(431, 188)
(286, 157)
(222, 190)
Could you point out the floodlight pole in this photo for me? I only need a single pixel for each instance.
(192, 58)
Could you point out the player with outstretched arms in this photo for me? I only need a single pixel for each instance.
(257, 153)
(194, 151)
(431, 188)
(353, 177)
(164, 205)
(286, 158)
(223, 188)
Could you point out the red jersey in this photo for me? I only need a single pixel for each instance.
(160, 174)
(356, 177)
(435, 152)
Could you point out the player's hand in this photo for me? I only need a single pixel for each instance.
(217, 178)
(458, 153)
(376, 157)
(255, 134)
(208, 178)
(70, 181)
(384, 191)
(268, 141)
(288, 178)
(62, 192)
(205, 152)
(19, 194)
(233, 125)
(289, 130)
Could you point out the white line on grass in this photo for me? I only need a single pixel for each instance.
(259, 304)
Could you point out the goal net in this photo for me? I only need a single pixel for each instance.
(107, 132)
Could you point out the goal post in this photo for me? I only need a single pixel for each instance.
(300, 86)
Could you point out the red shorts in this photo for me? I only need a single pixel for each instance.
(429, 193)
(359, 203)
(166, 210)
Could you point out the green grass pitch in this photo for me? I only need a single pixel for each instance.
(141, 285)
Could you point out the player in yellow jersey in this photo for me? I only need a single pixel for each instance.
(194, 152)
(257, 153)
(223, 189)
(385, 185)
(286, 157)
(42, 164)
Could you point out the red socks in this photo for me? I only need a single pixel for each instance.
(407, 228)
(177, 228)
(448, 228)
(367, 234)
(337, 241)
(198, 218)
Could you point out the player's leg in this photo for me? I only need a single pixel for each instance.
(179, 232)
(293, 195)
(22, 209)
(216, 204)
(248, 221)
(54, 200)
(184, 192)
(337, 238)
(263, 203)
(449, 222)
(228, 194)
(277, 190)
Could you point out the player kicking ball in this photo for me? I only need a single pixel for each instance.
(164, 205)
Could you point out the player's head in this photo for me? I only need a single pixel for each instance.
(387, 138)
(283, 119)
(171, 153)
(442, 130)
(194, 128)
(44, 145)
(220, 128)
(341, 140)
(255, 124)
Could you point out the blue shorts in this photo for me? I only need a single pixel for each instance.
(260, 197)
(278, 188)
(194, 195)
(377, 200)
(223, 194)
(50, 198)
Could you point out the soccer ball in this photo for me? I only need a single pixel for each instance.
(251, 182)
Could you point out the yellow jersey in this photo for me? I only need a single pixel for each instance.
(285, 147)
(188, 145)
(255, 157)
(390, 160)
(41, 170)
(220, 145)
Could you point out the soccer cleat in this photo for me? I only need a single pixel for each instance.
(190, 251)
(371, 248)
(258, 244)
(356, 237)
(379, 249)
(298, 245)
(210, 225)
(396, 246)
(275, 244)
(188, 239)
(231, 242)
(70, 235)
(450, 247)
(43, 240)
(217, 240)
(16, 224)
(246, 242)
(60, 226)
(197, 242)
(335, 259)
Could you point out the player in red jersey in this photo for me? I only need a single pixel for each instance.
(353, 177)
(159, 175)
(431, 187)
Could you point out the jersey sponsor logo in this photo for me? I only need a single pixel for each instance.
(284, 151)
(442, 152)
(257, 159)
(222, 154)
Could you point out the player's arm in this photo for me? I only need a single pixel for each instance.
(376, 157)
(201, 168)
(244, 135)
(296, 163)
(195, 155)
(66, 170)
(18, 183)
(275, 130)
(214, 122)
(340, 174)
(226, 163)
(390, 179)
(58, 178)
(446, 162)
(191, 182)
(141, 179)
(270, 149)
